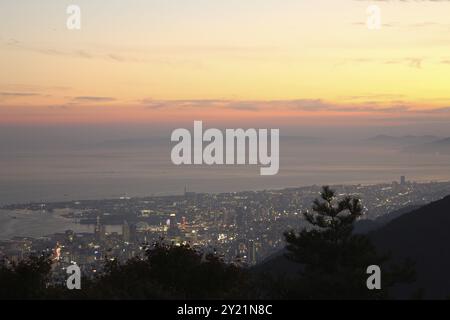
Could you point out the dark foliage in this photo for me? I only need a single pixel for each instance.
(168, 272)
(332, 259)
(26, 279)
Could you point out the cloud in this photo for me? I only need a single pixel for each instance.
(304, 105)
(32, 89)
(310, 105)
(150, 103)
(374, 96)
(411, 62)
(243, 106)
(16, 44)
(18, 94)
(59, 107)
(435, 110)
(364, 24)
(117, 58)
(99, 54)
(93, 99)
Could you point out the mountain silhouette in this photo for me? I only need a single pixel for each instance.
(441, 146)
(400, 141)
(367, 225)
(423, 236)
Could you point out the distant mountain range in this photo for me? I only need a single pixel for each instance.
(422, 235)
(441, 146)
(402, 141)
(412, 144)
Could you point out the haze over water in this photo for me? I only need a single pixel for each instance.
(139, 167)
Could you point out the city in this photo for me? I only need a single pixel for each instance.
(244, 228)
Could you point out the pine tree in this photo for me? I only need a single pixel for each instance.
(333, 260)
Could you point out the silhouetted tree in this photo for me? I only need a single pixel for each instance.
(27, 279)
(168, 272)
(332, 259)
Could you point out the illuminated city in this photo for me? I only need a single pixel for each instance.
(244, 227)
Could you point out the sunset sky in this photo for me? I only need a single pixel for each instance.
(148, 61)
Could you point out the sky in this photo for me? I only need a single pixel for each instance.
(254, 62)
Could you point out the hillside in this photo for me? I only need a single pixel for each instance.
(422, 235)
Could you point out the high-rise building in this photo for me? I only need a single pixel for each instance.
(126, 232)
(402, 180)
(173, 230)
(100, 230)
(253, 248)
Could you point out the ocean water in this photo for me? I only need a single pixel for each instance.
(23, 223)
(31, 224)
(142, 169)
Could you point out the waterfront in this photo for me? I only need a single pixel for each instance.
(23, 223)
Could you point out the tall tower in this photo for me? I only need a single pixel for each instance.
(252, 249)
(126, 231)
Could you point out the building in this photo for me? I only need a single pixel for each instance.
(126, 232)
(402, 180)
(100, 230)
